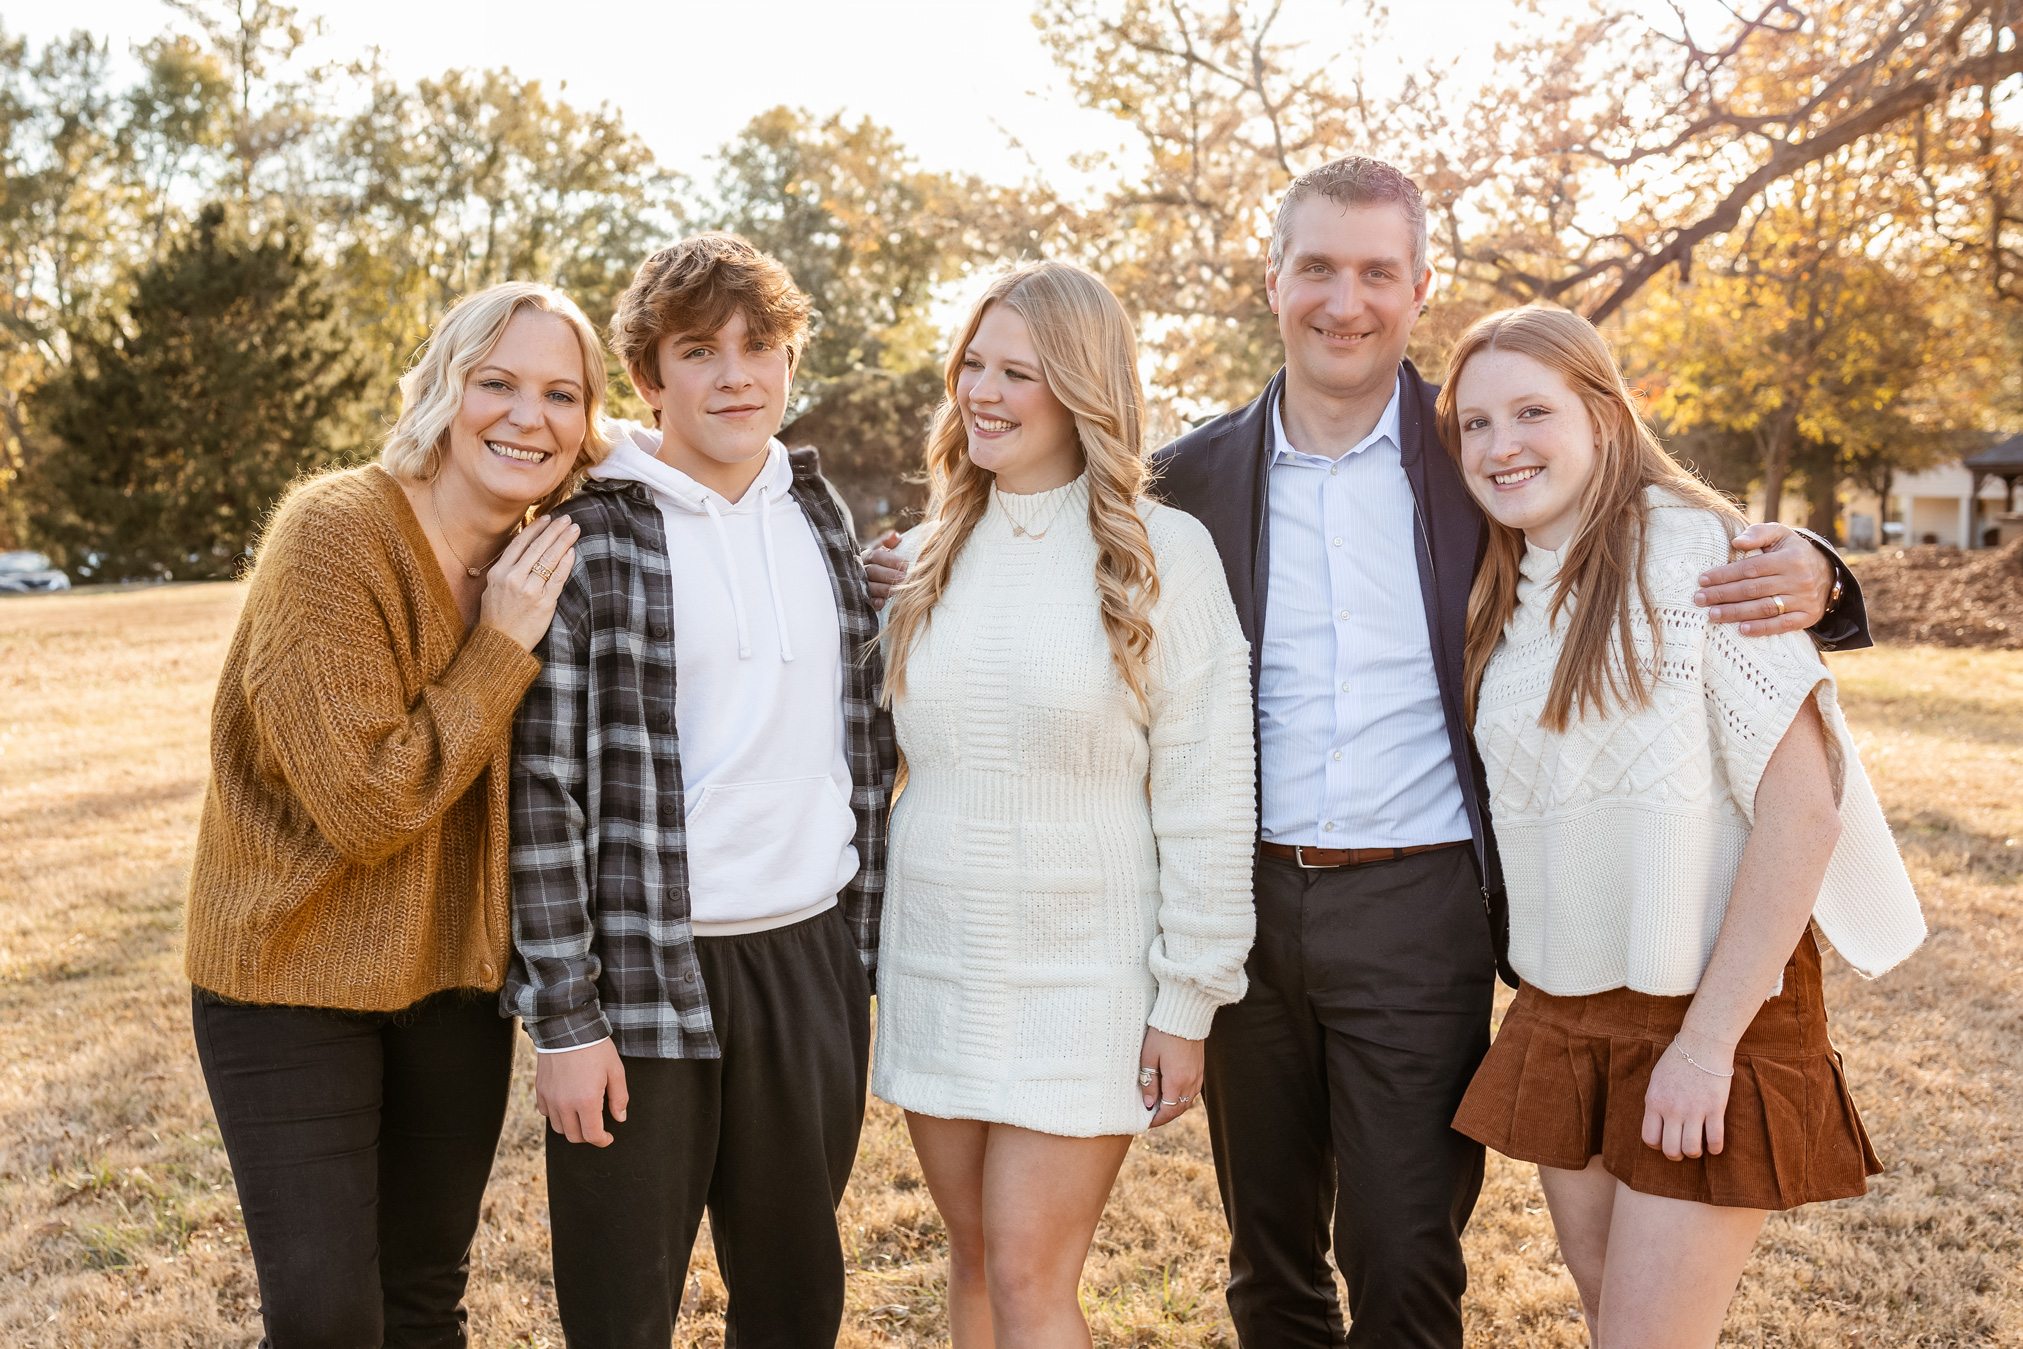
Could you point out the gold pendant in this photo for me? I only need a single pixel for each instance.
(472, 571)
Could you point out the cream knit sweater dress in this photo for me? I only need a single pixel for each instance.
(1063, 870)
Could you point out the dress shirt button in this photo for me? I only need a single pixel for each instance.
(1338, 753)
(1336, 469)
(1329, 826)
(1345, 688)
(1338, 543)
(1345, 614)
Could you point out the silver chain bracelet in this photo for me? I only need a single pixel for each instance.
(1697, 1064)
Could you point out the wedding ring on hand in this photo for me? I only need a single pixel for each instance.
(1147, 1076)
(545, 572)
(1778, 600)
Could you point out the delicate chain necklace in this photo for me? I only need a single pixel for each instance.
(1025, 530)
(469, 570)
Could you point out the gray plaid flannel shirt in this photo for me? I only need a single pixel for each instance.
(601, 938)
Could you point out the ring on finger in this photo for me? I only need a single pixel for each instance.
(1778, 600)
(1147, 1076)
(545, 572)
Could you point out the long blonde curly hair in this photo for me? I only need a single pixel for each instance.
(1089, 357)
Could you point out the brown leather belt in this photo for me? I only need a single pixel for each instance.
(1323, 859)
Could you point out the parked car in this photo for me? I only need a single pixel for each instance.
(25, 573)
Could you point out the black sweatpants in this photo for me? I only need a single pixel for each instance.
(762, 1137)
(1330, 1088)
(360, 1143)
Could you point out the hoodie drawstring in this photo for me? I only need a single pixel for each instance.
(723, 544)
(773, 574)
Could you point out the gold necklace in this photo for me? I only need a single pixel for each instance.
(1020, 531)
(437, 512)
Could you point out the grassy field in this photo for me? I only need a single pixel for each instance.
(117, 1220)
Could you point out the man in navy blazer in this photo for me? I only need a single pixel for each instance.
(1350, 545)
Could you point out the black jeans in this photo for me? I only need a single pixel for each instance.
(763, 1138)
(1330, 1091)
(360, 1144)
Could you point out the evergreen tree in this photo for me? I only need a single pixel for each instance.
(173, 430)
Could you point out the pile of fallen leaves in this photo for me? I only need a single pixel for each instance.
(1944, 596)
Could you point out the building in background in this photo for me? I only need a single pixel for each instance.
(1967, 503)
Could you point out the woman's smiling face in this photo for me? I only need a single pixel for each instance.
(1528, 444)
(522, 422)
(1017, 428)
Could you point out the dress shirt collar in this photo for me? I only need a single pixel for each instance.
(1283, 450)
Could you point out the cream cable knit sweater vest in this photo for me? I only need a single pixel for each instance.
(1063, 871)
(1621, 837)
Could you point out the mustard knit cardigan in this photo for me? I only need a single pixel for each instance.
(352, 851)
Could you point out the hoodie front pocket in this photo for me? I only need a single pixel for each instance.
(767, 847)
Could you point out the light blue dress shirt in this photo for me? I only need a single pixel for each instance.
(1352, 739)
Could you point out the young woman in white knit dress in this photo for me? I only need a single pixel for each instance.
(1670, 828)
(1068, 898)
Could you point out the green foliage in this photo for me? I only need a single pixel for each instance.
(471, 179)
(173, 431)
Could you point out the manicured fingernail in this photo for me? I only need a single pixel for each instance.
(1705, 579)
(1700, 596)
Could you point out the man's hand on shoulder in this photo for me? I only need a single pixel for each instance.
(1783, 584)
(883, 568)
(573, 1086)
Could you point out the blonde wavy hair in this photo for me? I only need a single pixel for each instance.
(1089, 358)
(1597, 667)
(432, 390)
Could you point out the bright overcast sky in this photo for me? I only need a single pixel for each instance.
(954, 80)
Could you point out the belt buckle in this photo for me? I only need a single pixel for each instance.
(1299, 856)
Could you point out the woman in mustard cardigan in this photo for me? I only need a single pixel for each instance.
(347, 925)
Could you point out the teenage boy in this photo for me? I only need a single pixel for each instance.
(701, 775)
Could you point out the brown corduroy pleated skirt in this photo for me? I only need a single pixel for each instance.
(1565, 1082)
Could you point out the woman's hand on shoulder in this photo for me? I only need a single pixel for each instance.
(1176, 1071)
(523, 585)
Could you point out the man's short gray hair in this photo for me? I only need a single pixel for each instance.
(1354, 180)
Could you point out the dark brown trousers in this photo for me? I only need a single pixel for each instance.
(1329, 1094)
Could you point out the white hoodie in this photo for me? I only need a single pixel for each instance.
(758, 694)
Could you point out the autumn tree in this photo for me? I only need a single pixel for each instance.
(1226, 114)
(1607, 151)
(1808, 338)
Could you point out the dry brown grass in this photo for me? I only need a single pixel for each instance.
(117, 1220)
